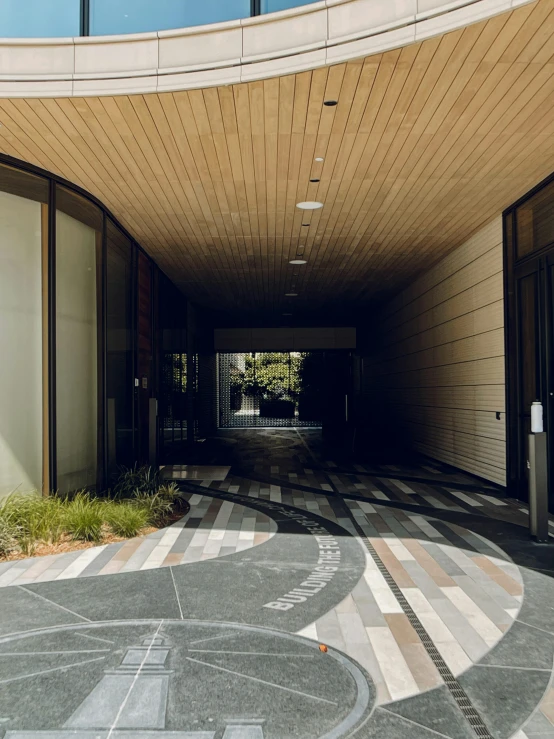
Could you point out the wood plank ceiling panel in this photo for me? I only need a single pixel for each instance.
(426, 145)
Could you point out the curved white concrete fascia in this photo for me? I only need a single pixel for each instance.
(311, 36)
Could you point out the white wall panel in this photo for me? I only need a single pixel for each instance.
(441, 366)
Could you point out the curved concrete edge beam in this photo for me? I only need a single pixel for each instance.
(308, 37)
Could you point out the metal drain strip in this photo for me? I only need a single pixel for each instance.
(458, 693)
(468, 710)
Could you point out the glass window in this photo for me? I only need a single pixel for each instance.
(39, 18)
(119, 361)
(23, 226)
(138, 16)
(535, 222)
(272, 6)
(78, 251)
(173, 388)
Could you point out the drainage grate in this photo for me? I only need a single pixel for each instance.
(456, 690)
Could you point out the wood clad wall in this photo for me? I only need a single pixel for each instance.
(440, 366)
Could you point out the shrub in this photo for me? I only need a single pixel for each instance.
(131, 482)
(82, 517)
(158, 507)
(34, 518)
(125, 519)
(9, 534)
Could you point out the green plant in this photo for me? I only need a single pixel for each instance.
(9, 535)
(35, 518)
(83, 517)
(272, 375)
(125, 519)
(134, 480)
(158, 507)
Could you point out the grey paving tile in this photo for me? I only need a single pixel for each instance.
(537, 725)
(523, 646)
(20, 610)
(538, 600)
(425, 582)
(447, 564)
(505, 697)
(437, 710)
(103, 558)
(387, 725)
(470, 640)
(329, 630)
(138, 558)
(480, 596)
(183, 541)
(148, 594)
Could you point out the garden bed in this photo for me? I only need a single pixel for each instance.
(139, 504)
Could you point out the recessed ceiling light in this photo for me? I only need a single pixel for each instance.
(319, 159)
(291, 295)
(314, 180)
(330, 103)
(309, 205)
(298, 261)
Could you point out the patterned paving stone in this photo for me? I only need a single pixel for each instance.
(212, 528)
(459, 587)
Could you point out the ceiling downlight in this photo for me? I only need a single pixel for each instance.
(309, 205)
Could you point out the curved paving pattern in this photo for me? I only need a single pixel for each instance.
(216, 648)
(212, 528)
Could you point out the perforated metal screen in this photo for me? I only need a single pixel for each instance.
(270, 389)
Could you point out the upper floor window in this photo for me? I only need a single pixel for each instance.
(39, 18)
(273, 6)
(138, 16)
(67, 18)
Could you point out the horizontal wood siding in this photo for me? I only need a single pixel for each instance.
(440, 366)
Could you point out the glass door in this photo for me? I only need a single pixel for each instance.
(530, 341)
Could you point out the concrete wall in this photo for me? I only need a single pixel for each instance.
(440, 363)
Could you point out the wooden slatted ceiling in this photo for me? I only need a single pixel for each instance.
(426, 145)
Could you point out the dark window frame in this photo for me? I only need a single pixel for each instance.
(538, 262)
(54, 182)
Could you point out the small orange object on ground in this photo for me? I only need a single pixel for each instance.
(322, 648)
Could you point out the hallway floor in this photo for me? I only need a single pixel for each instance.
(299, 597)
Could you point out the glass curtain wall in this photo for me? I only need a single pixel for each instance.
(40, 18)
(529, 259)
(23, 230)
(78, 281)
(273, 6)
(120, 370)
(173, 368)
(68, 18)
(138, 16)
(85, 316)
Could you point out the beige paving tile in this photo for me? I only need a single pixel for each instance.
(429, 564)
(401, 628)
(547, 705)
(422, 668)
(398, 676)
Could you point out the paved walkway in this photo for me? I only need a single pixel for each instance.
(212, 528)
(436, 611)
